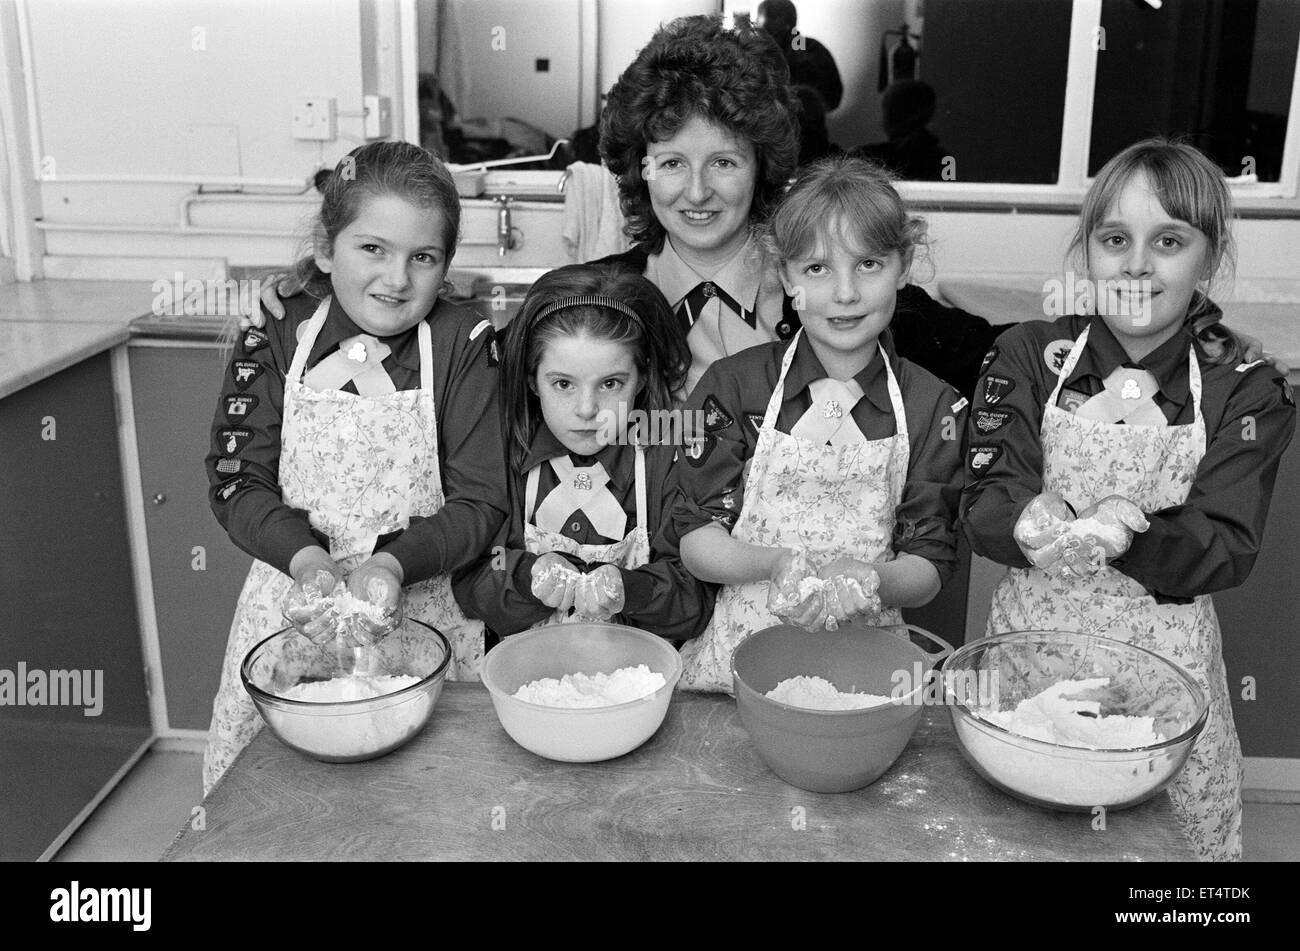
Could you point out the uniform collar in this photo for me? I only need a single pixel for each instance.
(545, 446)
(806, 368)
(741, 276)
(339, 327)
(1167, 363)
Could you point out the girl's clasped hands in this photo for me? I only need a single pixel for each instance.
(596, 595)
(841, 591)
(358, 609)
(1073, 549)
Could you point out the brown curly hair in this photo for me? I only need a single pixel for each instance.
(694, 66)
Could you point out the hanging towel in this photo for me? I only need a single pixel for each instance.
(593, 222)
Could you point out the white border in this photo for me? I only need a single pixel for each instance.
(138, 538)
(409, 70)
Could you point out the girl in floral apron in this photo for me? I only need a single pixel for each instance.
(360, 440)
(826, 483)
(589, 370)
(1122, 462)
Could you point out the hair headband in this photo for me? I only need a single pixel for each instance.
(588, 300)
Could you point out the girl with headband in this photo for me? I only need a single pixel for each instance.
(589, 375)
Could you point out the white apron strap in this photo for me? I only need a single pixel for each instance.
(530, 492)
(305, 342)
(778, 392)
(895, 396)
(1068, 367)
(640, 488)
(426, 357)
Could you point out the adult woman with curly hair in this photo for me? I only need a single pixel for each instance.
(702, 133)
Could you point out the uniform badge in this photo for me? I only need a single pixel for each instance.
(245, 372)
(582, 480)
(988, 360)
(833, 410)
(1071, 400)
(755, 421)
(1056, 353)
(996, 389)
(1244, 367)
(1130, 390)
(238, 407)
(254, 340)
(233, 441)
(961, 403)
(698, 449)
(356, 352)
(715, 417)
(230, 466)
(991, 420)
(979, 459)
(1286, 390)
(229, 488)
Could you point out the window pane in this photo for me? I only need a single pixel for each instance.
(1216, 73)
(998, 72)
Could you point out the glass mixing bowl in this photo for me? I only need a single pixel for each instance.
(996, 673)
(346, 731)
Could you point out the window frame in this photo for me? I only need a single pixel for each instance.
(1076, 139)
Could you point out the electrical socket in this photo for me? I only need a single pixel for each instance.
(379, 117)
(314, 117)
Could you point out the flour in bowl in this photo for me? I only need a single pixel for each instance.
(592, 690)
(1051, 716)
(353, 734)
(1070, 777)
(354, 687)
(816, 693)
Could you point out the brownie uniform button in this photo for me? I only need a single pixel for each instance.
(575, 527)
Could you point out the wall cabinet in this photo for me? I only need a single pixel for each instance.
(197, 572)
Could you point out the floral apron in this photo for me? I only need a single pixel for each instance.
(1154, 466)
(632, 552)
(361, 466)
(826, 500)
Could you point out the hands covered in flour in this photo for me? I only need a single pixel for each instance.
(599, 595)
(595, 596)
(325, 602)
(1071, 548)
(555, 581)
(841, 590)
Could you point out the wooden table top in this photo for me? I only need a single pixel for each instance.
(697, 790)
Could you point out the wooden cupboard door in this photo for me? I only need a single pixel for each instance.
(69, 627)
(1261, 628)
(197, 571)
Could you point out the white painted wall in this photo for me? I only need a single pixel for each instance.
(121, 82)
(627, 25)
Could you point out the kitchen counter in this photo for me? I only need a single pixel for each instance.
(697, 791)
(48, 326)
